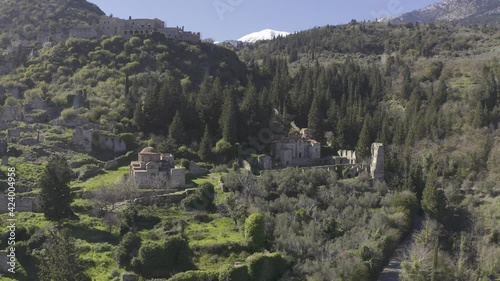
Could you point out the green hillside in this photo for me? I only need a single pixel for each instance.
(430, 93)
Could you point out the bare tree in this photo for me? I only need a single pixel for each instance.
(249, 184)
(111, 220)
(128, 189)
(106, 199)
(159, 186)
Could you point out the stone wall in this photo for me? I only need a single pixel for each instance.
(88, 32)
(178, 176)
(127, 28)
(197, 170)
(265, 162)
(4, 267)
(163, 199)
(23, 205)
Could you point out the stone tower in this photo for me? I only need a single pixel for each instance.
(377, 164)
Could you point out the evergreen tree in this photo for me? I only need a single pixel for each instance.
(205, 150)
(139, 117)
(315, 120)
(227, 119)
(254, 231)
(55, 196)
(406, 89)
(363, 146)
(433, 200)
(153, 110)
(60, 250)
(176, 130)
(478, 115)
(208, 102)
(435, 260)
(250, 111)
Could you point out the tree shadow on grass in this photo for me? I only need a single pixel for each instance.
(93, 235)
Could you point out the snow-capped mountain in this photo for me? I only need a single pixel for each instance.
(477, 11)
(266, 34)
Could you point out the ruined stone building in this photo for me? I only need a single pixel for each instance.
(93, 140)
(377, 163)
(297, 149)
(154, 167)
(112, 26)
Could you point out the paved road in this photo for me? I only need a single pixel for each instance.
(393, 269)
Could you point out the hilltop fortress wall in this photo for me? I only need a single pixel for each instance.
(111, 26)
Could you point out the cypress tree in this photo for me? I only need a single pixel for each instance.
(227, 119)
(433, 200)
(176, 130)
(315, 120)
(250, 109)
(139, 118)
(406, 89)
(55, 196)
(205, 150)
(59, 249)
(363, 146)
(435, 260)
(152, 110)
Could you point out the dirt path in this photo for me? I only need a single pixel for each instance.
(393, 269)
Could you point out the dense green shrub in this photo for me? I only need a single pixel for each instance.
(254, 232)
(128, 248)
(266, 267)
(186, 153)
(184, 163)
(202, 199)
(160, 259)
(197, 275)
(129, 140)
(69, 113)
(234, 273)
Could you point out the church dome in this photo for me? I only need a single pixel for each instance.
(148, 150)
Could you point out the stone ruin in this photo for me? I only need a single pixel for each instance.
(23, 204)
(76, 101)
(4, 262)
(345, 157)
(197, 170)
(265, 162)
(13, 135)
(3, 147)
(12, 113)
(377, 163)
(95, 140)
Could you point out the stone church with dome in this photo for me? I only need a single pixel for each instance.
(153, 167)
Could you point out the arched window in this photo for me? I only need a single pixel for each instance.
(125, 32)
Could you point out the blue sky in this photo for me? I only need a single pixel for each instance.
(231, 19)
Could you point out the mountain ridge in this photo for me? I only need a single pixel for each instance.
(467, 11)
